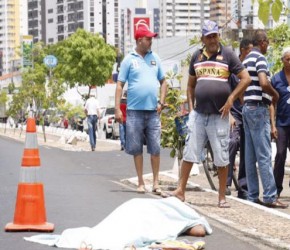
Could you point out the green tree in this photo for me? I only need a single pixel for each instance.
(269, 8)
(36, 87)
(169, 134)
(85, 59)
(279, 38)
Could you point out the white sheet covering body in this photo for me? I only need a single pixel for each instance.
(137, 222)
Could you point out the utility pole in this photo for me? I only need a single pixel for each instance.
(240, 28)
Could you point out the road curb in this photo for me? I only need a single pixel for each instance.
(256, 231)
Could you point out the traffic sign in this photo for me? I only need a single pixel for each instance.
(50, 61)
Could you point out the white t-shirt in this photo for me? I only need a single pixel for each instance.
(92, 105)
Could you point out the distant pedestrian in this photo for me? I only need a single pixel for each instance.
(92, 110)
(144, 74)
(237, 134)
(256, 119)
(122, 124)
(210, 100)
(281, 129)
(31, 110)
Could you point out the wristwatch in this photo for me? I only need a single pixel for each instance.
(160, 103)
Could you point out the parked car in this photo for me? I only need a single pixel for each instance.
(106, 122)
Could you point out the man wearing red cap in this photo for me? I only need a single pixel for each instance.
(142, 70)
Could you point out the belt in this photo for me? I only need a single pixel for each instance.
(256, 103)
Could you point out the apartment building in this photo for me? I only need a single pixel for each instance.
(13, 17)
(53, 21)
(182, 17)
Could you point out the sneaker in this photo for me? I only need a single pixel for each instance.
(228, 191)
(122, 148)
(243, 194)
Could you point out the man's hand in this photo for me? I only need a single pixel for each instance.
(274, 133)
(118, 115)
(161, 106)
(225, 110)
(232, 122)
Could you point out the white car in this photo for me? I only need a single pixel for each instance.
(106, 122)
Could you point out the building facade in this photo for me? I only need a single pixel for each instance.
(55, 20)
(13, 24)
(182, 17)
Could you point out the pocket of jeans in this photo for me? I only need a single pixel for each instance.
(221, 133)
(224, 139)
(255, 120)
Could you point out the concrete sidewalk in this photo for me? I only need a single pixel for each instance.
(267, 225)
(59, 137)
(270, 226)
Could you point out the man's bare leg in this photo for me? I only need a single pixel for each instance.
(184, 175)
(155, 164)
(222, 174)
(138, 160)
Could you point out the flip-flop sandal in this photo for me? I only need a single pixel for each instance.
(141, 190)
(224, 204)
(157, 191)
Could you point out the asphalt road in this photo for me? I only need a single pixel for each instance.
(81, 189)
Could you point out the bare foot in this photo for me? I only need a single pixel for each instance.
(197, 231)
(175, 193)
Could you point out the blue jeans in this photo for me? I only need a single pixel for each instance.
(122, 128)
(256, 120)
(141, 126)
(92, 121)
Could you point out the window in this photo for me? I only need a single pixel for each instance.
(60, 9)
(50, 11)
(50, 20)
(50, 40)
(71, 7)
(80, 16)
(60, 19)
(60, 29)
(71, 27)
(71, 17)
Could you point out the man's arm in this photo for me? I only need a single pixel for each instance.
(267, 87)
(118, 95)
(274, 131)
(244, 82)
(163, 91)
(191, 83)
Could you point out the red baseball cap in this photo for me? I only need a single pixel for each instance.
(143, 31)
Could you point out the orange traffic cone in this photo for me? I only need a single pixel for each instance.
(30, 212)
